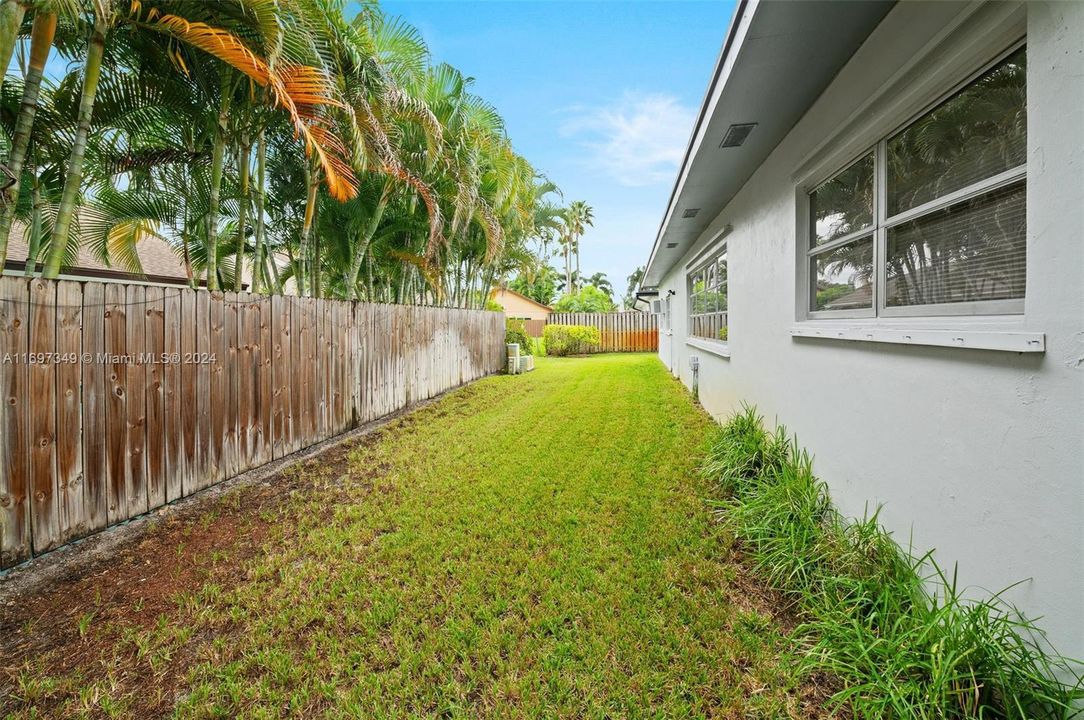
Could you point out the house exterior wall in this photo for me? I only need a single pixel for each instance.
(976, 453)
(519, 307)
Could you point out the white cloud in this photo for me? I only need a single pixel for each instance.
(638, 140)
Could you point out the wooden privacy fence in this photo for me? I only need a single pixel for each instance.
(117, 399)
(621, 332)
(534, 328)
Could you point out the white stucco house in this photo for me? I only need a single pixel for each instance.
(877, 237)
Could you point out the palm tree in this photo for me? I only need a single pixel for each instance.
(634, 282)
(278, 141)
(297, 89)
(578, 216)
(600, 281)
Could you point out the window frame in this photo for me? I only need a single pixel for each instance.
(702, 263)
(882, 223)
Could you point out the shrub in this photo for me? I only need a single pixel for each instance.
(570, 339)
(895, 629)
(515, 331)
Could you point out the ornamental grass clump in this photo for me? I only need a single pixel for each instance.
(904, 640)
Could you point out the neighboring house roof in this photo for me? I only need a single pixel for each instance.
(776, 60)
(493, 294)
(160, 263)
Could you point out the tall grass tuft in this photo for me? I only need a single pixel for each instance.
(896, 629)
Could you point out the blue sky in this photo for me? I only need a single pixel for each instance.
(599, 96)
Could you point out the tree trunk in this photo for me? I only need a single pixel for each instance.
(244, 159)
(258, 267)
(218, 155)
(577, 276)
(313, 184)
(363, 246)
(11, 19)
(41, 40)
(38, 213)
(74, 177)
(568, 266)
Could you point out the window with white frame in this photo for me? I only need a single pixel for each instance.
(707, 298)
(931, 221)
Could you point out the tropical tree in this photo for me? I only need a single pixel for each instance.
(587, 299)
(634, 280)
(600, 281)
(578, 217)
(284, 145)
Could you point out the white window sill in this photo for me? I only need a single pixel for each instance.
(975, 338)
(709, 346)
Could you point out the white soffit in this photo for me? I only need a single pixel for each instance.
(777, 59)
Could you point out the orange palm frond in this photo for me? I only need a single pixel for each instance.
(307, 85)
(298, 89)
(220, 43)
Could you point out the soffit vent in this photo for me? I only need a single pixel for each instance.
(690, 212)
(736, 135)
(671, 245)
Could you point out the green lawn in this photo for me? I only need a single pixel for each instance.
(529, 546)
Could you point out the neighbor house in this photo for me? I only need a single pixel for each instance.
(160, 265)
(517, 306)
(876, 236)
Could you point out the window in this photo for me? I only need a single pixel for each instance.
(932, 220)
(707, 299)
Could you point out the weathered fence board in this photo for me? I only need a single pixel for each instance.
(14, 448)
(93, 416)
(69, 447)
(117, 399)
(173, 413)
(44, 516)
(619, 332)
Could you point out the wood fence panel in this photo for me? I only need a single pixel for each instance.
(116, 422)
(136, 487)
(15, 543)
(618, 332)
(44, 514)
(231, 447)
(293, 381)
(247, 381)
(173, 410)
(69, 390)
(200, 372)
(95, 402)
(118, 399)
(217, 396)
(155, 345)
(264, 436)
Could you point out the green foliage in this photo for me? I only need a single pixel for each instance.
(309, 147)
(828, 293)
(516, 332)
(493, 306)
(634, 282)
(570, 339)
(540, 286)
(896, 629)
(588, 299)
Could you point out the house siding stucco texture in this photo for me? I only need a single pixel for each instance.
(978, 454)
